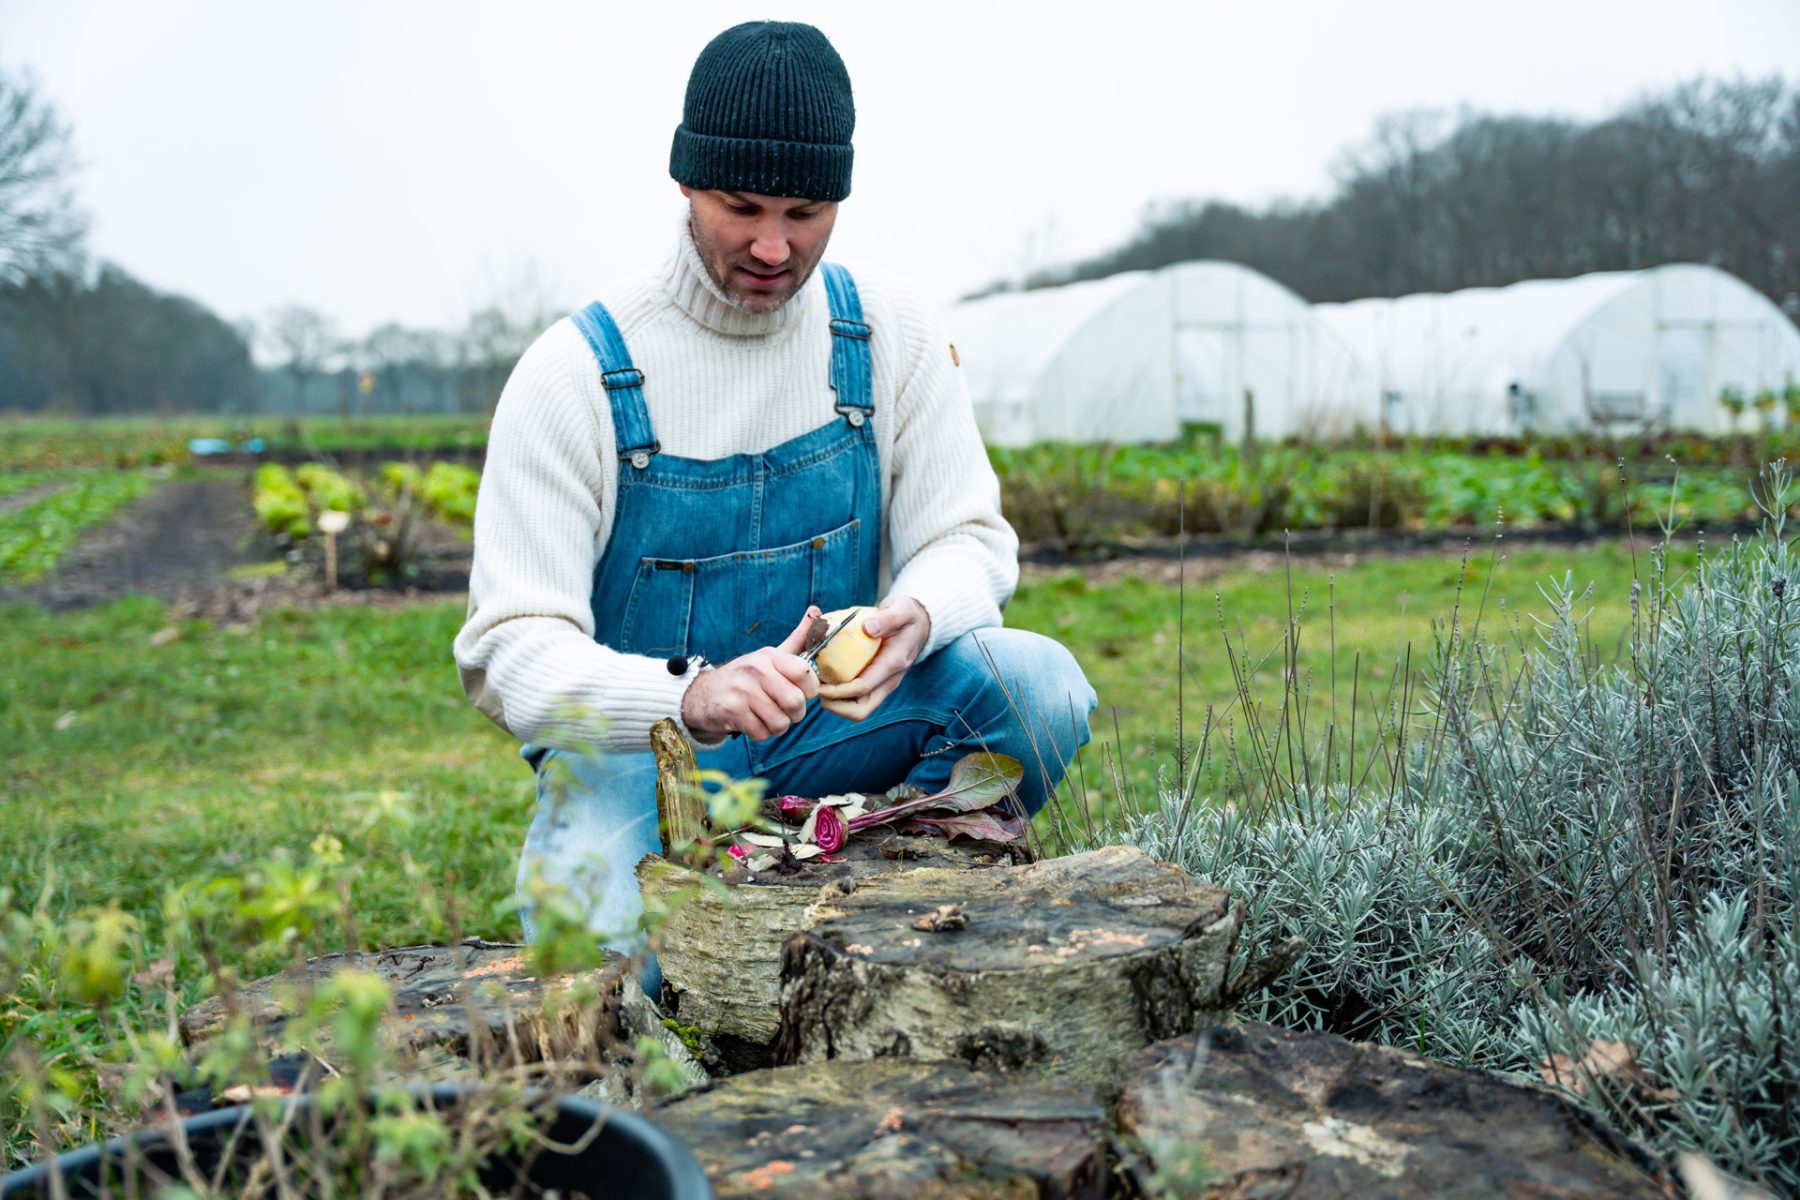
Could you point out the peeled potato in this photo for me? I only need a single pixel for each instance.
(850, 651)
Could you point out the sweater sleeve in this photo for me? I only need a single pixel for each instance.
(526, 653)
(951, 549)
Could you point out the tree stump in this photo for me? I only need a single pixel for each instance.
(1257, 1110)
(892, 1131)
(720, 947)
(1070, 965)
(455, 1007)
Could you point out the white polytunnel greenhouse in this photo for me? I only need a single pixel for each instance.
(1133, 357)
(1618, 350)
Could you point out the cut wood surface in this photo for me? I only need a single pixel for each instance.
(892, 1131)
(720, 947)
(477, 999)
(1070, 965)
(1255, 1110)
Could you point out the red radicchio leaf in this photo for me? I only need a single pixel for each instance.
(990, 825)
(978, 781)
(828, 830)
(793, 809)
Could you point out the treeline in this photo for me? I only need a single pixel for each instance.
(1708, 172)
(83, 339)
(108, 344)
(113, 345)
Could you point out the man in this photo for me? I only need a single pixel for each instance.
(682, 475)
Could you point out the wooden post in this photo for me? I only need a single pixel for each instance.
(331, 523)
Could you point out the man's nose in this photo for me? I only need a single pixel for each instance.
(770, 246)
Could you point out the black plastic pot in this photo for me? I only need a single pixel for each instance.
(629, 1159)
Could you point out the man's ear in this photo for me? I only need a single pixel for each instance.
(686, 191)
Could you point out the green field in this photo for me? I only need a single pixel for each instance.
(142, 755)
(333, 747)
(36, 443)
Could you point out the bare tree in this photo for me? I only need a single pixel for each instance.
(1706, 172)
(305, 339)
(389, 351)
(521, 304)
(40, 227)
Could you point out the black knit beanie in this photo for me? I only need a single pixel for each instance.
(768, 111)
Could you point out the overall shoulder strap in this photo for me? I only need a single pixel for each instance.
(624, 383)
(851, 370)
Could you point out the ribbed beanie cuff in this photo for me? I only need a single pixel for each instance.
(769, 168)
(768, 110)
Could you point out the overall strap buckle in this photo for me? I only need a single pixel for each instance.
(624, 384)
(852, 367)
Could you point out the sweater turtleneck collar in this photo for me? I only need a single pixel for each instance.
(694, 292)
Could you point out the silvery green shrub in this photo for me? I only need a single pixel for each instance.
(1565, 851)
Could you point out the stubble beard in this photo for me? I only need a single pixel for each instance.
(718, 269)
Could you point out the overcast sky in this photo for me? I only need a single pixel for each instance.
(382, 160)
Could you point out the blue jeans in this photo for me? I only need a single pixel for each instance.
(596, 814)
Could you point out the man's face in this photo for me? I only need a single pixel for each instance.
(760, 250)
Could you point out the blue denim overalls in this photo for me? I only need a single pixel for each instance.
(715, 557)
(722, 556)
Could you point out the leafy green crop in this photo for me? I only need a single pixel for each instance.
(34, 537)
(1083, 495)
(327, 489)
(279, 501)
(449, 488)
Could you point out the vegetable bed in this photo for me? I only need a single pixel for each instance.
(34, 537)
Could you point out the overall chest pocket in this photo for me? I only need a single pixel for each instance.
(729, 604)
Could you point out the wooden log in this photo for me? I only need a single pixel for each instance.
(456, 1008)
(1257, 1110)
(680, 806)
(892, 1131)
(1070, 965)
(720, 947)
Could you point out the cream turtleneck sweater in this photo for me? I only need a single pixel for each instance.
(718, 381)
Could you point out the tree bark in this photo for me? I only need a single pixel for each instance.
(720, 947)
(1070, 965)
(892, 1131)
(1257, 1110)
(461, 1010)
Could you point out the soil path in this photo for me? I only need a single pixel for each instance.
(179, 537)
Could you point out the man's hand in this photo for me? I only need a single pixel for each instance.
(760, 694)
(904, 627)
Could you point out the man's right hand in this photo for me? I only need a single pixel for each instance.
(760, 694)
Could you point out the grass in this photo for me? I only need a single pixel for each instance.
(14, 482)
(1355, 624)
(36, 443)
(134, 765)
(144, 756)
(141, 755)
(35, 536)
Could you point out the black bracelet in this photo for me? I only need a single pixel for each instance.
(678, 664)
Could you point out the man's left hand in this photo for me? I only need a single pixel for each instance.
(904, 628)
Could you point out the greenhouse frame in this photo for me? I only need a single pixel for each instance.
(1620, 351)
(1134, 357)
